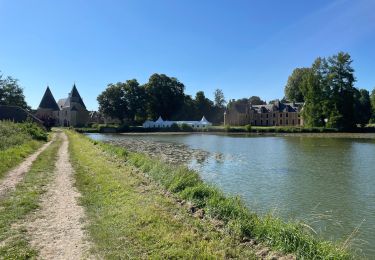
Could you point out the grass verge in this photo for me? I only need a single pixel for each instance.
(17, 141)
(238, 220)
(15, 206)
(129, 216)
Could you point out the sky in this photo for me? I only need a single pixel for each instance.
(244, 47)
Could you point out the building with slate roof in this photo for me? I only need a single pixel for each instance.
(70, 111)
(276, 114)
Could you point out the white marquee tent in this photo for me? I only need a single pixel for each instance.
(160, 123)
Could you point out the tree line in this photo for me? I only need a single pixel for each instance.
(329, 95)
(161, 96)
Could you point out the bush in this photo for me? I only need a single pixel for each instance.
(123, 128)
(248, 128)
(186, 128)
(227, 128)
(174, 127)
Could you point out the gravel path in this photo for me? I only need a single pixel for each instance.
(57, 230)
(16, 175)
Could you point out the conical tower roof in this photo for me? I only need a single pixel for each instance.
(48, 101)
(74, 96)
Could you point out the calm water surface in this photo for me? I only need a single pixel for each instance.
(327, 182)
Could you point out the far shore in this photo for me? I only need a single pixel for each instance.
(320, 135)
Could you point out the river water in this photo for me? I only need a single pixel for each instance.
(327, 182)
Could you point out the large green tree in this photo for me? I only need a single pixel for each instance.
(203, 105)
(255, 100)
(219, 98)
(362, 106)
(165, 96)
(292, 90)
(11, 93)
(372, 100)
(112, 102)
(135, 97)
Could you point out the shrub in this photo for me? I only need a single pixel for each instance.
(186, 128)
(174, 127)
(248, 128)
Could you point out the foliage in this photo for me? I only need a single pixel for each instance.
(112, 102)
(372, 99)
(293, 91)
(11, 93)
(362, 106)
(165, 96)
(186, 128)
(331, 99)
(255, 100)
(219, 98)
(248, 128)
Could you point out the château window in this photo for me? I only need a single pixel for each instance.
(266, 122)
(281, 122)
(286, 114)
(293, 122)
(286, 122)
(281, 114)
(274, 115)
(267, 116)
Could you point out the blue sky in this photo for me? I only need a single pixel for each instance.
(244, 47)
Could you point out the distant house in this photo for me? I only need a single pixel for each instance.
(276, 114)
(70, 111)
(160, 123)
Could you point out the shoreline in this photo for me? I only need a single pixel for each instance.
(319, 135)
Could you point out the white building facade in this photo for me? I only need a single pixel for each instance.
(160, 123)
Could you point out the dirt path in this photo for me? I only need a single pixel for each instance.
(57, 230)
(16, 175)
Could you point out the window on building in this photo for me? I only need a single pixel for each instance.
(261, 122)
(281, 114)
(267, 116)
(255, 122)
(273, 122)
(266, 122)
(281, 122)
(286, 114)
(293, 122)
(299, 121)
(286, 122)
(274, 115)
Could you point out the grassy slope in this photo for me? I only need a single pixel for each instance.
(122, 206)
(17, 141)
(129, 216)
(17, 204)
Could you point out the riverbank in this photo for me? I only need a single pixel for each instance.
(236, 220)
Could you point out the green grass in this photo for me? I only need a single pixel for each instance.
(129, 216)
(238, 220)
(17, 141)
(16, 205)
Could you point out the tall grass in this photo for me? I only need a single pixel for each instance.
(17, 141)
(289, 237)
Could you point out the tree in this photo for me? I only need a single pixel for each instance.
(362, 106)
(292, 89)
(135, 98)
(165, 96)
(219, 99)
(112, 102)
(11, 93)
(340, 80)
(311, 89)
(372, 99)
(203, 105)
(255, 100)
